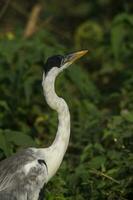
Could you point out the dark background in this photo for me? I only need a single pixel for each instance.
(99, 90)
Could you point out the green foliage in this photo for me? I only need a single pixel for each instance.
(89, 35)
(121, 38)
(99, 91)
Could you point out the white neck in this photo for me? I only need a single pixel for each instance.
(55, 153)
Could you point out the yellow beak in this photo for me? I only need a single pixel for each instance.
(74, 56)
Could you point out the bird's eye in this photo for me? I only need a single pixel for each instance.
(42, 162)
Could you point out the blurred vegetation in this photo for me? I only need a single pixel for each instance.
(98, 89)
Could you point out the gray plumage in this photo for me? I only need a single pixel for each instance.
(15, 183)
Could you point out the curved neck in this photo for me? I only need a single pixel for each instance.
(56, 151)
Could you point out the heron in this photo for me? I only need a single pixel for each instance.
(23, 175)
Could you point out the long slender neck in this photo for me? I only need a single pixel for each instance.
(56, 151)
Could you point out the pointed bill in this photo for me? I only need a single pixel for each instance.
(74, 56)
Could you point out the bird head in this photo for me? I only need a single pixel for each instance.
(59, 62)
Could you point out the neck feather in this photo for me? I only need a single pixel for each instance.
(56, 151)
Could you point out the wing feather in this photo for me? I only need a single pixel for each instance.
(10, 167)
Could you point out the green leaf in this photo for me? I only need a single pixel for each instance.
(128, 116)
(119, 32)
(4, 145)
(3, 104)
(97, 162)
(20, 139)
(81, 80)
(117, 37)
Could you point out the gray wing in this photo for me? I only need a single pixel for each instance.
(5, 195)
(13, 165)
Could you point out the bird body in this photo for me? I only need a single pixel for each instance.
(23, 175)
